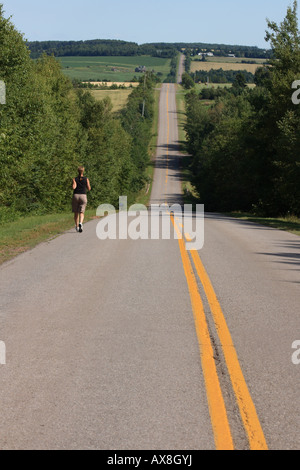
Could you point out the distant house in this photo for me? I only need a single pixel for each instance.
(231, 55)
(140, 69)
(207, 54)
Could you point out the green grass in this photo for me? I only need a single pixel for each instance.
(153, 142)
(113, 69)
(180, 103)
(27, 232)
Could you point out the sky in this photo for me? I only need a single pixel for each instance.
(241, 22)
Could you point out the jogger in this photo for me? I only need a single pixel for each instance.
(81, 185)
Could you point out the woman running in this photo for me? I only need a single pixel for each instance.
(81, 186)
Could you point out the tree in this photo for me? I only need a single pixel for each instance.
(187, 81)
(15, 57)
(15, 71)
(245, 149)
(262, 77)
(284, 116)
(239, 83)
(48, 128)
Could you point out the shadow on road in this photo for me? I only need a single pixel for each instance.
(289, 257)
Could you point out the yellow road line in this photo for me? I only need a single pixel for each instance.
(168, 135)
(218, 413)
(248, 412)
(217, 409)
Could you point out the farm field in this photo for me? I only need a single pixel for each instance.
(112, 69)
(108, 84)
(207, 66)
(200, 86)
(118, 97)
(226, 63)
(234, 60)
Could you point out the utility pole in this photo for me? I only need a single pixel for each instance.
(144, 102)
(2, 92)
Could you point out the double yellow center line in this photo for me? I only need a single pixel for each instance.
(168, 137)
(218, 413)
(217, 409)
(246, 406)
(220, 423)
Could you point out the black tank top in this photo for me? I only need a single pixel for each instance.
(81, 185)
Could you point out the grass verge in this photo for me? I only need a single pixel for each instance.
(180, 103)
(27, 232)
(145, 194)
(289, 224)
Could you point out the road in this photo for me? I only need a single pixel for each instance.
(141, 344)
(180, 68)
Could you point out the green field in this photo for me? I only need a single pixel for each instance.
(112, 69)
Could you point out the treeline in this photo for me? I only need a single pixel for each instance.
(172, 76)
(221, 50)
(187, 63)
(99, 47)
(245, 148)
(238, 78)
(104, 47)
(220, 76)
(47, 128)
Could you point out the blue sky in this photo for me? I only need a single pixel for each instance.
(218, 21)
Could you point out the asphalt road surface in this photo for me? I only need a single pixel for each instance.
(142, 344)
(180, 68)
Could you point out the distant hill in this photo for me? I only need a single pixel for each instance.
(108, 47)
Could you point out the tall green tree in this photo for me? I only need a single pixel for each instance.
(15, 71)
(284, 116)
(246, 147)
